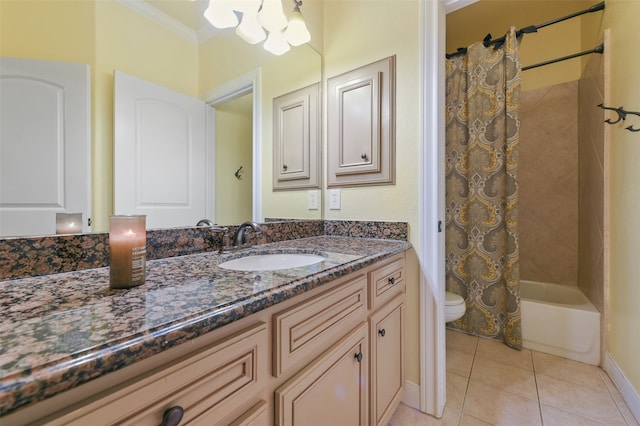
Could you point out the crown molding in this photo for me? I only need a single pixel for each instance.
(453, 5)
(143, 8)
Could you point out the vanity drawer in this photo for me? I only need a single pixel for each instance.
(209, 385)
(386, 282)
(305, 330)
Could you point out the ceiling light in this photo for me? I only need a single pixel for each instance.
(220, 13)
(258, 16)
(297, 32)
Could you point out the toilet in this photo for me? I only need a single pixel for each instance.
(454, 306)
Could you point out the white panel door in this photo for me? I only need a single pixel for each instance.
(45, 144)
(160, 156)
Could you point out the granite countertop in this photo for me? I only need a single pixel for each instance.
(60, 331)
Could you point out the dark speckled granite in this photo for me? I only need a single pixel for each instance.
(59, 331)
(35, 256)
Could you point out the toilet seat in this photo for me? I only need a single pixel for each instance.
(454, 306)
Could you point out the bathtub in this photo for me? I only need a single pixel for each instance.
(559, 320)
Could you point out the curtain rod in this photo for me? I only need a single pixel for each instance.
(599, 49)
(530, 29)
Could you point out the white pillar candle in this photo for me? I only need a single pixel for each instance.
(127, 251)
(68, 223)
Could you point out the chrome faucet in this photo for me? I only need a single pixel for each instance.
(242, 238)
(216, 228)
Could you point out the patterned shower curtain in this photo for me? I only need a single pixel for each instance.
(482, 126)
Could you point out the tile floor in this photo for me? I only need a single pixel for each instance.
(489, 383)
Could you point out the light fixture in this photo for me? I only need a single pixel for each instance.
(258, 16)
(297, 32)
(220, 13)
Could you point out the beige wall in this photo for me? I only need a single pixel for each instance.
(358, 33)
(621, 17)
(234, 146)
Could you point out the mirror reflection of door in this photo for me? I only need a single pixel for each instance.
(45, 145)
(161, 154)
(234, 152)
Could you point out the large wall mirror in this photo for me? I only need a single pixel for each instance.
(171, 45)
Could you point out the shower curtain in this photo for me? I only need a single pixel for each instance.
(482, 126)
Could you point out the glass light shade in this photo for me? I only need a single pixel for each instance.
(297, 32)
(276, 43)
(271, 16)
(246, 6)
(249, 29)
(220, 13)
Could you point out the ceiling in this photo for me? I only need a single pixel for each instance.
(187, 12)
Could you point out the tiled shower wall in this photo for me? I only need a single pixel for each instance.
(561, 183)
(548, 184)
(591, 190)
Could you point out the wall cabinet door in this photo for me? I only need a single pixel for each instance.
(361, 126)
(387, 367)
(330, 391)
(296, 139)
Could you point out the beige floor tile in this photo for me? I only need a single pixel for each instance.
(555, 417)
(467, 420)
(461, 341)
(617, 398)
(459, 362)
(407, 416)
(456, 390)
(562, 368)
(499, 408)
(588, 402)
(502, 353)
(505, 377)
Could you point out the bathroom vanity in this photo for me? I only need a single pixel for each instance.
(318, 344)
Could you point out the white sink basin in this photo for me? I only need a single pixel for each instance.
(271, 262)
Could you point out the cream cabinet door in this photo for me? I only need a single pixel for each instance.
(296, 139)
(330, 391)
(387, 367)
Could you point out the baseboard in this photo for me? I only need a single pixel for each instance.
(411, 395)
(626, 389)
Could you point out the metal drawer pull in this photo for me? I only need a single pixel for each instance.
(358, 357)
(172, 416)
(392, 280)
(382, 332)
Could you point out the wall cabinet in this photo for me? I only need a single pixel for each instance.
(296, 139)
(361, 126)
(332, 355)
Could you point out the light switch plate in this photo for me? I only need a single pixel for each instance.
(334, 199)
(313, 200)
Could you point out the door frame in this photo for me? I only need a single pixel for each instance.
(240, 86)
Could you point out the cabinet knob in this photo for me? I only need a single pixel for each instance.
(284, 167)
(172, 416)
(392, 280)
(382, 332)
(363, 155)
(358, 357)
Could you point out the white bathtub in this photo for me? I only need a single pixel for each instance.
(559, 320)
